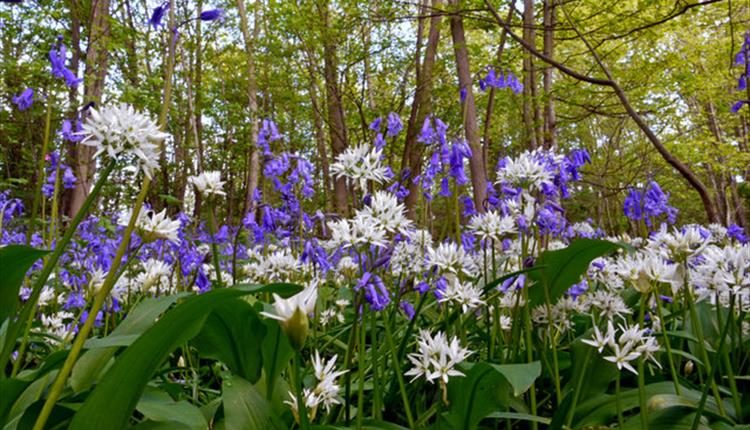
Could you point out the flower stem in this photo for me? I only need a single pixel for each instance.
(399, 376)
(40, 173)
(642, 370)
(577, 390)
(212, 227)
(670, 360)
(301, 406)
(103, 293)
(617, 399)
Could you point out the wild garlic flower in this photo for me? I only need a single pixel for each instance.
(465, 294)
(452, 258)
(292, 313)
(325, 392)
(528, 171)
(155, 277)
(123, 132)
(632, 343)
(360, 164)
(436, 359)
(385, 209)
(491, 226)
(57, 324)
(152, 226)
(208, 183)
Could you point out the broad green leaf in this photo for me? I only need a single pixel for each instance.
(10, 390)
(100, 351)
(672, 418)
(111, 403)
(15, 261)
(281, 288)
(562, 268)
(367, 424)
(233, 333)
(246, 408)
(159, 407)
(487, 388)
(277, 351)
(59, 415)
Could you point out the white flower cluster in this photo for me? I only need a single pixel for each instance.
(372, 225)
(436, 357)
(632, 343)
(528, 170)
(122, 132)
(360, 164)
(491, 226)
(151, 225)
(208, 183)
(325, 392)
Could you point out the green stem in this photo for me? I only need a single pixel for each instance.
(301, 406)
(361, 374)
(27, 313)
(726, 362)
(399, 376)
(103, 293)
(40, 172)
(530, 355)
(212, 227)
(704, 394)
(617, 399)
(642, 371)
(577, 390)
(670, 360)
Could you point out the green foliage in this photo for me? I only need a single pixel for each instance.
(15, 260)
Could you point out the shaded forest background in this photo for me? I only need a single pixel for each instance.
(646, 87)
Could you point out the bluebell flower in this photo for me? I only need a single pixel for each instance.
(376, 293)
(375, 124)
(737, 233)
(24, 100)
(158, 14)
(57, 58)
(408, 309)
(462, 94)
(212, 14)
(394, 125)
(737, 106)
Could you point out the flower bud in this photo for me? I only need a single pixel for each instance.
(296, 329)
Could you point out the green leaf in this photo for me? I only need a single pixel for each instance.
(277, 351)
(159, 407)
(562, 268)
(487, 388)
(245, 408)
(281, 288)
(10, 390)
(15, 261)
(111, 403)
(233, 333)
(91, 364)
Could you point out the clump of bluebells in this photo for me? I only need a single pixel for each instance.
(647, 204)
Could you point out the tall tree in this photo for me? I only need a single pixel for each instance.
(421, 105)
(471, 127)
(96, 72)
(252, 101)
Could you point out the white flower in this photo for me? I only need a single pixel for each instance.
(491, 226)
(360, 164)
(436, 357)
(278, 266)
(528, 171)
(121, 131)
(600, 341)
(623, 356)
(208, 183)
(325, 392)
(304, 301)
(155, 277)
(385, 209)
(462, 293)
(55, 324)
(452, 258)
(151, 226)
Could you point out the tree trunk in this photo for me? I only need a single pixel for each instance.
(96, 72)
(471, 128)
(550, 122)
(334, 104)
(529, 76)
(252, 103)
(420, 108)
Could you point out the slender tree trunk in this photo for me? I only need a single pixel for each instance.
(334, 104)
(529, 76)
(421, 106)
(550, 126)
(487, 140)
(252, 104)
(471, 127)
(320, 138)
(72, 147)
(96, 72)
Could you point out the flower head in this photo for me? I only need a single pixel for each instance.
(123, 132)
(208, 183)
(25, 99)
(158, 14)
(292, 313)
(212, 14)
